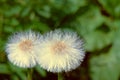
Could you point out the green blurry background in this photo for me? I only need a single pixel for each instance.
(96, 21)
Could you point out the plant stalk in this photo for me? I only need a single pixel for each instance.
(60, 77)
(29, 74)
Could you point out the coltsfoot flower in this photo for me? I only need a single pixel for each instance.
(60, 51)
(22, 48)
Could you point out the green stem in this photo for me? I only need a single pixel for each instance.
(60, 77)
(29, 74)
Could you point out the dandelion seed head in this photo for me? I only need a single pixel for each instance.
(60, 51)
(22, 48)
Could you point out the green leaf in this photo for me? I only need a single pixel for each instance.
(89, 21)
(14, 22)
(115, 50)
(107, 66)
(39, 26)
(25, 11)
(14, 77)
(97, 40)
(18, 71)
(4, 69)
(104, 67)
(2, 56)
(2, 44)
(45, 11)
(112, 7)
(68, 6)
(12, 11)
(41, 71)
(8, 29)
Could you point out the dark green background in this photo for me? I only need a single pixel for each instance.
(96, 21)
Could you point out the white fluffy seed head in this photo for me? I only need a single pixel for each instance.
(22, 48)
(60, 51)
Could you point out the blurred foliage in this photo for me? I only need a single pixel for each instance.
(96, 21)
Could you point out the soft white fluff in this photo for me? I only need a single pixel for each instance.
(22, 48)
(60, 51)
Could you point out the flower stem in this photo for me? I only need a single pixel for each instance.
(29, 74)
(60, 77)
